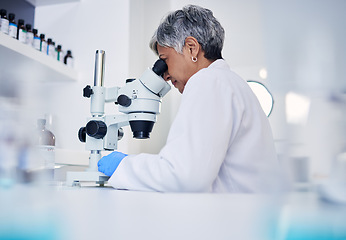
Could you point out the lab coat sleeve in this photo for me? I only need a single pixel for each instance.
(196, 146)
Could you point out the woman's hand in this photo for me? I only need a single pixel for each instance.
(108, 164)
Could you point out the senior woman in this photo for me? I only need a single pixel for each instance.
(220, 140)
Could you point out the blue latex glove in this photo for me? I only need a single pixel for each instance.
(109, 163)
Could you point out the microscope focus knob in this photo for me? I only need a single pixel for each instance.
(124, 100)
(96, 129)
(87, 91)
(82, 134)
(120, 134)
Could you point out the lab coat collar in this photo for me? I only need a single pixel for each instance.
(219, 63)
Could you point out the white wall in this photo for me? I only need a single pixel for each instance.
(84, 27)
(305, 53)
(144, 19)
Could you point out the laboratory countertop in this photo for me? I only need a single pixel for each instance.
(89, 212)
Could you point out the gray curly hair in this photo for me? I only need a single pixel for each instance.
(192, 21)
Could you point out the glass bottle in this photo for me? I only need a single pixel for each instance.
(59, 53)
(12, 27)
(68, 59)
(53, 51)
(46, 146)
(37, 41)
(50, 47)
(29, 35)
(49, 44)
(43, 44)
(21, 31)
(3, 21)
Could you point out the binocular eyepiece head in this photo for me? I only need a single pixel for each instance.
(160, 67)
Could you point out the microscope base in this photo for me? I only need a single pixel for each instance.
(75, 178)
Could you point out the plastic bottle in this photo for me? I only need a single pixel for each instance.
(46, 147)
(59, 53)
(29, 35)
(12, 27)
(3, 21)
(68, 59)
(53, 51)
(43, 44)
(50, 47)
(37, 41)
(49, 43)
(21, 31)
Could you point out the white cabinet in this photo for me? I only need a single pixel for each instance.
(21, 62)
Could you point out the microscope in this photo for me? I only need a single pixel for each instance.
(139, 101)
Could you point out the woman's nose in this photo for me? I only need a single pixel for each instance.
(166, 76)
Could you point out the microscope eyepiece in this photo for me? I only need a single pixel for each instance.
(160, 67)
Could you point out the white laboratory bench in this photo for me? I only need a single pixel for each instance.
(89, 212)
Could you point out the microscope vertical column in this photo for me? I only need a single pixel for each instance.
(98, 96)
(99, 68)
(97, 104)
(95, 156)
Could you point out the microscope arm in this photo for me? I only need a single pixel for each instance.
(114, 130)
(111, 94)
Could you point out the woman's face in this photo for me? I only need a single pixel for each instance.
(180, 66)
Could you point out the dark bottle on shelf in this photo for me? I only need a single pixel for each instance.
(21, 31)
(68, 59)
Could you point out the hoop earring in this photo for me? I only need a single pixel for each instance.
(194, 59)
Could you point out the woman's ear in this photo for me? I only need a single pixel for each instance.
(192, 46)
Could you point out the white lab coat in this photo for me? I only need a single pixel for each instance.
(220, 141)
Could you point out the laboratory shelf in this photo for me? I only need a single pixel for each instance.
(37, 3)
(19, 61)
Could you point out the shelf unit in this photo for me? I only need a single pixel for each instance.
(37, 3)
(20, 62)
